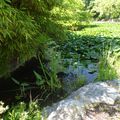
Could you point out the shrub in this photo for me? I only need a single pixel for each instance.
(106, 9)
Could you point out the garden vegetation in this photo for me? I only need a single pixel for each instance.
(27, 25)
(54, 31)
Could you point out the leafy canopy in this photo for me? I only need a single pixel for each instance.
(29, 24)
(104, 8)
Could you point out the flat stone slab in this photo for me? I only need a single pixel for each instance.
(76, 105)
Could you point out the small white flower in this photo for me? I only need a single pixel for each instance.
(2, 108)
(24, 116)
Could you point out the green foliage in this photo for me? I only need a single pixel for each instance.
(48, 81)
(106, 9)
(17, 36)
(106, 67)
(83, 47)
(88, 2)
(24, 112)
(109, 62)
(93, 44)
(53, 67)
(23, 88)
(77, 83)
(39, 81)
(69, 10)
(25, 24)
(71, 13)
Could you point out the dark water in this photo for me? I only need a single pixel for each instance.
(75, 70)
(89, 72)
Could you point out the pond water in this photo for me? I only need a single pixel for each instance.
(76, 70)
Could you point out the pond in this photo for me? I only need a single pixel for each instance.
(86, 73)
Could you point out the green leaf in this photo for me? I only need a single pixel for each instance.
(16, 81)
(39, 80)
(24, 84)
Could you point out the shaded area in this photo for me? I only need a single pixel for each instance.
(11, 92)
(9, 89)
(81, 27)
(86, 26)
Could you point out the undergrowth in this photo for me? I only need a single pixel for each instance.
(24, 111)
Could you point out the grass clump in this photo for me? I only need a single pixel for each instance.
(108, 66)
(81, 80)
(106, 70)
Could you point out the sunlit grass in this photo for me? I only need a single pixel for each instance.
(105, 29)
(106, 67)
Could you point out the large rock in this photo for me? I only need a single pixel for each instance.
(74, 107)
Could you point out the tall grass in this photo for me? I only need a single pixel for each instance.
(108, 67)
